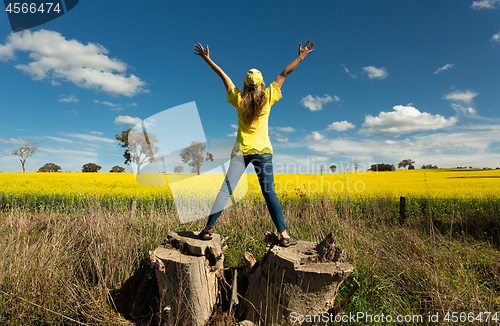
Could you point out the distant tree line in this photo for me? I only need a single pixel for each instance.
(30, 149)
(140, 149)
(89, 167)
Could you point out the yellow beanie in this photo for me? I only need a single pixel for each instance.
(253, 78)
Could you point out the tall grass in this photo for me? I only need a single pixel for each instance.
(90, 266)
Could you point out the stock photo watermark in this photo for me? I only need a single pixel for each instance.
(160, 147)
(24, 15)
(166, 142)
(430, 318)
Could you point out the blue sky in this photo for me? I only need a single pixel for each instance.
(388, 80)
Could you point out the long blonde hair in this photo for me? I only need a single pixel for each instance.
(253, 101)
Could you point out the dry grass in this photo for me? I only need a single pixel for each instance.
(90, 268)
(57, 268)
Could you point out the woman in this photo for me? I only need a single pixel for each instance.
(252, 145)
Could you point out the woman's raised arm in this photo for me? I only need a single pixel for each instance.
(205, 55)
(303, 51)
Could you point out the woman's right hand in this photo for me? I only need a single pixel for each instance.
(205, 54)
(303, 51)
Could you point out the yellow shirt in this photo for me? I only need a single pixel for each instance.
(254, 138)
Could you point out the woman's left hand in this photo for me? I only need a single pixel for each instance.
(205, 54)
(303, 51)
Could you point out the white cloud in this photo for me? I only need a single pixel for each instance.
(285, 129)
(88, 144)
(472, 146)
(233, 134)
(445, 67)
(496, 38)
(316, 136)
(461, 109)
(484, 4)
(483, 127)
(348, 72)
(346, 147)
(68, 151)
(340, 126)
(315, 103)
(92, 138)
(405, 119)
(13, 141)
(282, 140)
(301, 158)
(106, 103)
(289, 144)
(62, 140)
(23, 130)
(374, 72)
(114, 106)
(405, 142)
(70, 99)
(109, 103)
(97, 133)
(286, 163)
(468, 141)
(371, 71)
(125, 119)
(58, 59)
(465, 97)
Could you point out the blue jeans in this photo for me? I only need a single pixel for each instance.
(264, 168)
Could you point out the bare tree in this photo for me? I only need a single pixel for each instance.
(193, 155)
(25, 152)
(322, 168)
(140, 147)
(356, 166)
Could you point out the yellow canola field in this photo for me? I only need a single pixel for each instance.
(78, 184)
(441, 183)
(457, 184)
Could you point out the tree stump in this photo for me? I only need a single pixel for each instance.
(187, 271)
(301, 280)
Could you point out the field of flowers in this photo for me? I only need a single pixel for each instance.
(72, 253)
(442, 190)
